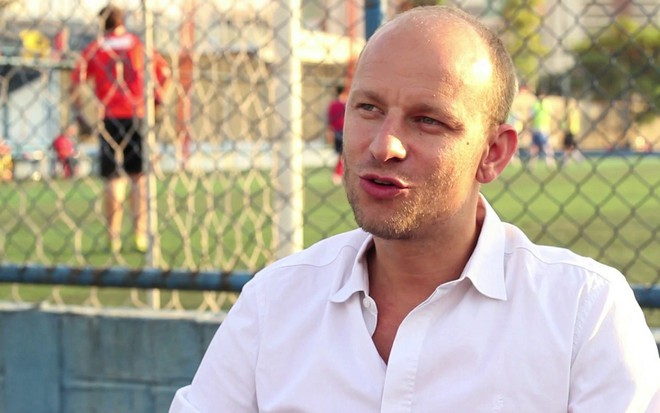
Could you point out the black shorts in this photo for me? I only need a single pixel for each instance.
(339, 142)
(569, 141)
(121, 147)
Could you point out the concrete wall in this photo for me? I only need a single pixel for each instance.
(82, 360)
(93, 361)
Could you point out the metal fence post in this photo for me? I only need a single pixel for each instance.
(287, 157)
(153, 251)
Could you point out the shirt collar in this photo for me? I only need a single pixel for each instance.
(485, 268)
(358, 280)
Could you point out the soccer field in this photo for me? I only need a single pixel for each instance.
(606, 208)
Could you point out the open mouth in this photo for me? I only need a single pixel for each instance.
(385, 181)
(381, 182)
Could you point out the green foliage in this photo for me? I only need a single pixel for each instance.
(522, 38)
(620, 62)
(417, 3)
(409, 4)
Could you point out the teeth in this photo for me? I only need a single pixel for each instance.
(382, 182)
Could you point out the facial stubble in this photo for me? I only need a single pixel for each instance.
(400, 218)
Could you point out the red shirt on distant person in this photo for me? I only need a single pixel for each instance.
(116, 64)
(336, 111)
(63, 146)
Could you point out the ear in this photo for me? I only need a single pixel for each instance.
(501, 147)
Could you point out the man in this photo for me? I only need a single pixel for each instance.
(434, 305)
(335, 130)
(571, 126)
(116, 64)
(541, 148)
(6, 162)
(65, 151)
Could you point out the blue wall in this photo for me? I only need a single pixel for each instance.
(79, 361)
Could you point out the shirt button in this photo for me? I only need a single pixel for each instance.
(366, 302)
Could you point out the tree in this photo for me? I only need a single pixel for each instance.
(619, 62)
(522, 23)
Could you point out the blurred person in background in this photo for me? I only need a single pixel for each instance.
(571, 123)
(115, 62)
(434, 304)
(65, 152)
(6, 161)
(335, 130)
(540, 147)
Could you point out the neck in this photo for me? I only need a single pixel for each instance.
(416, 267)
(118, 31)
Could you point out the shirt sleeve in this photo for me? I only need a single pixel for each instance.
(615, 367)
(162, 69)
(225, 379)
(163, 74)
(81, 69)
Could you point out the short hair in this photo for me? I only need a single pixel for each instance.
(505, 85)
(111, 17)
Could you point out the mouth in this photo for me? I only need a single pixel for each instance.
(385, 181)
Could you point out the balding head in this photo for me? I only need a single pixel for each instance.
(481, 49)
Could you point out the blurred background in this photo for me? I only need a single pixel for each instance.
(240, 172)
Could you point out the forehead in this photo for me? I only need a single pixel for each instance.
(436, 52)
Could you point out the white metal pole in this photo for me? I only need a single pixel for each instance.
(287, 126)
(149, 146)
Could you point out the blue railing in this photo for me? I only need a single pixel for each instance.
(149, 278)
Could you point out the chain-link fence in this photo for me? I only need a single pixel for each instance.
(238, 167)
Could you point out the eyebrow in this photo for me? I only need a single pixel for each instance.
(373, 96)
(447, 116)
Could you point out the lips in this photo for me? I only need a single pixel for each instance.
(382, 187)
(384, 180)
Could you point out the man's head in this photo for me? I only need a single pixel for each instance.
(111, 17)
(504, 80)
(424, 121)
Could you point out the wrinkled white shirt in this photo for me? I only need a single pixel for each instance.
(525, 329)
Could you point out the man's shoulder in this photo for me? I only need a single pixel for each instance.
(328, 257)
(341, 247)
(522, 253)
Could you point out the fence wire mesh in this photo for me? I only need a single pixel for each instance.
(238, 167)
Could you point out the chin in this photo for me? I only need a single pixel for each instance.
(389, 234)
(391, 228)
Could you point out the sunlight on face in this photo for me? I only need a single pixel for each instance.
(482, 70)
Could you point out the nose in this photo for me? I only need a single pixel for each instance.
(387, 145)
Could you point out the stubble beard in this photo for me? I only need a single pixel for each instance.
(407, 218)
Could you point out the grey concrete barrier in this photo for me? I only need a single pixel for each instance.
(73, 360)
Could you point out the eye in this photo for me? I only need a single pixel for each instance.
(428, 121)
(367, 107)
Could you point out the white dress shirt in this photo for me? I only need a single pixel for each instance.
(525, 329)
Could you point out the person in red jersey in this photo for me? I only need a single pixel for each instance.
(65, 151)
(335, 129)
(115, 63)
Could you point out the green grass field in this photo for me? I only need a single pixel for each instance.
(606, 208)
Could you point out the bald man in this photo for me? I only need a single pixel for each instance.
(433, 304)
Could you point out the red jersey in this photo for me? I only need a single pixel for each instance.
(63, 147)
(116, 64)
(336, 111)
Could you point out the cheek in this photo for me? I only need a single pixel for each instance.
(356, 136)
(456, 164)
